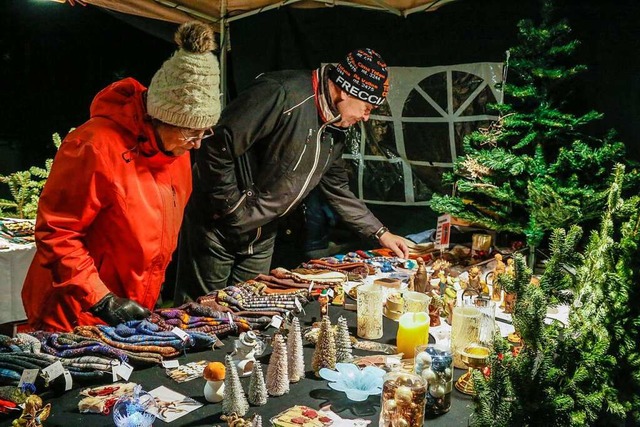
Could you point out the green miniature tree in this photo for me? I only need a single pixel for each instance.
(25, 187)
(536, 168)
(586, 373)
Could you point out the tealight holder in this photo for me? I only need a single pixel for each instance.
(475, 356)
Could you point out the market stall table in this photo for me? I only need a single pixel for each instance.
(311, 391)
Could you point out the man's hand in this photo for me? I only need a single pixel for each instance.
(115, 310)
(396, 243)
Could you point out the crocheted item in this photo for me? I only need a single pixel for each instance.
(100, 400)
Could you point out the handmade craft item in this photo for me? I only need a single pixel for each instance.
(413, 330)
(344, 352)
(435, 365)
(301, 416)
(278, 370)
(370, 302)
(324, 355)
(257, 388)
(294, 352)
(234, 400)
(100, 400)
(214, 374)
(403, 400)
(137, 409)
(245, 350)
(421, 278)
(34, 412)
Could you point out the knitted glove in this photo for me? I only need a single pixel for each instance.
(115, 310)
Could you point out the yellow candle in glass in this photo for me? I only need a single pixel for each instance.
(413, 330)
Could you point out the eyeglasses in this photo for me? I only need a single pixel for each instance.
(194, 138)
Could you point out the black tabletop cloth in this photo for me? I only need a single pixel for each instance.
(311, 391)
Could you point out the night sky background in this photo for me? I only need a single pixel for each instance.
(54, 58)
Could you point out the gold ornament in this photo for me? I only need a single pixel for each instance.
(403, 395)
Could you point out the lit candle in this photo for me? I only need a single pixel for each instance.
(413, 330)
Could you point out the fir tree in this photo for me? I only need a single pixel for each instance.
(25, 188)
(324, 355)
(537, 168)
(586, 373)
(277, 372)
(344, 353)
(235, 400)
(257, 388)
(295, 352)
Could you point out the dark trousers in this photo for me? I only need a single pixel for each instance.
(208, 260)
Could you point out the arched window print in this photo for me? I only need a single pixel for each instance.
(400, 154)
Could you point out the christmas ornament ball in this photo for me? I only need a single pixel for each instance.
(403, 395)
(429, 376)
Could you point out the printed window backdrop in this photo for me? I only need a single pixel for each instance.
(399, 155)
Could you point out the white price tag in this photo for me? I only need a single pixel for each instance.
(53, 371)
(181, 334)
(276, 321)
(114, 371)
(330, 293)
(28, 376)
(311, 286)
(124, 371)
(231, 322)
(68, 381)
(298, 304)
(170, 364)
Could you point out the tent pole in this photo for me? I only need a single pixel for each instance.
(224, 37)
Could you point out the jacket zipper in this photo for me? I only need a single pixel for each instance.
(237, 205)
(316, 160)
(329, 156)
(303, 150)
(258, 233)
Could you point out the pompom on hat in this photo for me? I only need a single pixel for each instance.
(185, 91)
(362, 74)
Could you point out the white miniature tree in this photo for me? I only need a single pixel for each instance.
(257, 387)
(344, 353)
(278, 371)
(295, 352)
(234, 400)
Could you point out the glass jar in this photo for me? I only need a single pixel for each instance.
(472, 322)
(370, 302)
(403, 400)
(434, 363)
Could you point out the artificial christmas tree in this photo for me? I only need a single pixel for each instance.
(294, 352)
(536, 168)
(344, 352)
(235, 400)
(277, 372)
(325, 354)
(257, 388)
(586, 373)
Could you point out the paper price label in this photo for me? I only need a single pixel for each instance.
(68, 381)
(124, 371)
(53, 371)
(276, 321)
(311, 286)
(298, 305)
(28, 376)
(181, 334)
(231, 322)
(170, 364)
(330, 293)
(114, 371)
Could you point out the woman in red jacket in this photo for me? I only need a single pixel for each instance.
(110, 212)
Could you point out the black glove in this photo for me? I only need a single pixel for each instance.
(115, 310)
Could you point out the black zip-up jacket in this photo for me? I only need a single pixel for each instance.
(269, 150)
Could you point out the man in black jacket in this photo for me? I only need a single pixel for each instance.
(280, 138)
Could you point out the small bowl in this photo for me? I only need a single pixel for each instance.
(357, 383)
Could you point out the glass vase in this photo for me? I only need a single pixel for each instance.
(434, 364)
(403, 400)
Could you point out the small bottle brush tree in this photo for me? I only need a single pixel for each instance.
(235, 400)
(257, 388)
(588, 372)
(536, 168)
(344, 352)
(295, 352)
(277, 372)
(325, 353)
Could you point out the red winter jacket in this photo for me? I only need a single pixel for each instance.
(109, 214)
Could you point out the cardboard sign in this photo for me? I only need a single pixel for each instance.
(443, 232)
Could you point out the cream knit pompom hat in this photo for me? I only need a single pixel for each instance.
(185, 91)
